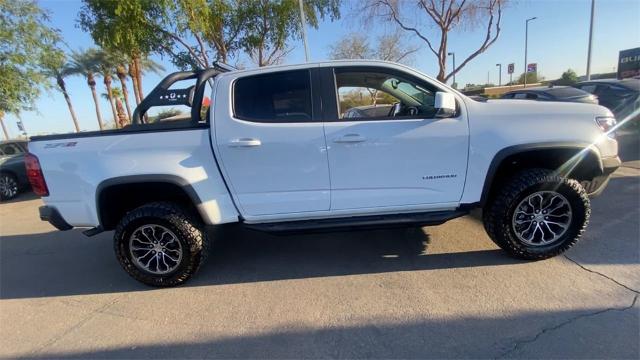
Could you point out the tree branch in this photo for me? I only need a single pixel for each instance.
(489, 40)
(189, 48)
(203, 51)
(407, 28)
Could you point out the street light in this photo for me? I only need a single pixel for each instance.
(526, 40)
(499, 74)
(453, 55)
(593, 4)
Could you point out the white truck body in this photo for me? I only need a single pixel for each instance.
(299, 171)
(276, 151)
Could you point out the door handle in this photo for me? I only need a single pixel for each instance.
(350, 138)
(244, 142)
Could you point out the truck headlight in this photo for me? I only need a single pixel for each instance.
(607, 124)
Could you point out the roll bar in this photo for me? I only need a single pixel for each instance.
(191, 96)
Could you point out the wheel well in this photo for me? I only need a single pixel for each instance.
(114, 201)
(575, 163)
(8, 172)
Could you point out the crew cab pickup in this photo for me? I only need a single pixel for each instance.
(273, 151)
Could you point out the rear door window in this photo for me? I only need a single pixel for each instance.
(279, 97)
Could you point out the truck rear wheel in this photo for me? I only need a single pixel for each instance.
(537, 215)
(160, 244)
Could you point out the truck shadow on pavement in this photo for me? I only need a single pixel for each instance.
(68, 263)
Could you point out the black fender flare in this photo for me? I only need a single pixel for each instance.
(148, 178)
(503, 154)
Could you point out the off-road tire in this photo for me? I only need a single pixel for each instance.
(497, 215)
(188, 230)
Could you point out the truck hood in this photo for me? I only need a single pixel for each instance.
(529, 108)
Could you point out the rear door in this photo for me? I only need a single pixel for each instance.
(272, 148)
(405, 158)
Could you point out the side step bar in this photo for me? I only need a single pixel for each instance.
(359, 222)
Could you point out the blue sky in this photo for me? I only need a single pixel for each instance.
(557, 41)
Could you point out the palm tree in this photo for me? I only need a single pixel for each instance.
(134, 80)
(116, 94)
(137, 67)
(59, 68)
(59, 75)
(4, 128)
(86, 63)
(107, 65)
(121, 72)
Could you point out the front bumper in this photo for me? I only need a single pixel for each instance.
(597, 185)
(52, 215)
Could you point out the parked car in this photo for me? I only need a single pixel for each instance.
(13, 177)
(555, 93)
(368, 111)
(274, 154)
(622, 97)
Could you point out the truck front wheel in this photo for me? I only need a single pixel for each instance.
(537, 214)
(160, 244)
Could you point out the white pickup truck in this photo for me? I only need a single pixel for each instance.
(274, 152)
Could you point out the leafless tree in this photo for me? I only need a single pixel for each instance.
(418, 17)
(389, 47)
(353, 46)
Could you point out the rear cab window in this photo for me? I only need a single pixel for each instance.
(279, 97)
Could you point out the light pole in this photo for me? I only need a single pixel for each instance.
(499, 74)
(526, 40)
(593, 4)
(303, 25)
(453, 55)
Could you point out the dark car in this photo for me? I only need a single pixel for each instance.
(622, 97)
(368, 111)
(13, 177)
(555, 93)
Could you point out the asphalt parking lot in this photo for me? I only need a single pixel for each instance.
(436, 292)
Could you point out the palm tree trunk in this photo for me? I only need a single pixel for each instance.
(122, 76)
(134, 79)
(107, 84)
(92, 84)
(138, 70)
(63, 89)
(4, 128)
(122, 118)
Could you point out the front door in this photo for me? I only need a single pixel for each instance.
(386, 146)
(272, 150)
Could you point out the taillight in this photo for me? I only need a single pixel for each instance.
(34, 173)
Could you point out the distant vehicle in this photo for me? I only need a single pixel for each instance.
(368, 111)
(555, 93)
(622, 97)
(13, 177)
(479, 98)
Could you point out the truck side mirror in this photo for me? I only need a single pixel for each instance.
(445, 104)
